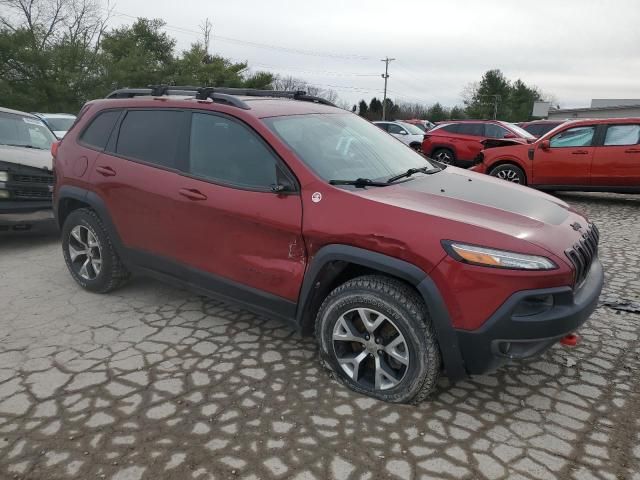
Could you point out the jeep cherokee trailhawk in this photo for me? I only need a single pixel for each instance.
(280, 202)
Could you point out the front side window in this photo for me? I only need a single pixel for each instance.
(19, 131)
(495, 131)
(396, 129)
(573, 137)
(151, 136)
(344, 146)
(224, 150)
(622, 135)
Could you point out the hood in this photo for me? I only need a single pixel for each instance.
(467, 197)
(30, 157)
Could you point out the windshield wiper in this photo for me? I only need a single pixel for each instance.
(359, 183)
(19, 145)
(413, 171)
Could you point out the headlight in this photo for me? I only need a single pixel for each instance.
(4, 176)
(489, 257)
(4, 194)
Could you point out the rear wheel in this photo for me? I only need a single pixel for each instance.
(376, 336)
(510, 173)
(89, 253)
(444, 155)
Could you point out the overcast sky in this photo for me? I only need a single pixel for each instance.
(575, 50)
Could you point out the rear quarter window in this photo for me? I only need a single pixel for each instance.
(97, 134)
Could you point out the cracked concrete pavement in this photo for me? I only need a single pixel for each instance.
(155, 382)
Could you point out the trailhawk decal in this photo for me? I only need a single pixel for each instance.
(316, 197)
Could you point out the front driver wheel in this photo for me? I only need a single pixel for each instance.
(376, 336)
(510, 173)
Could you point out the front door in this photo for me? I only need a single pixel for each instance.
(617, 162)
(237, 231)
(567, 161)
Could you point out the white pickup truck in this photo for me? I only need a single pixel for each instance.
(26, 177)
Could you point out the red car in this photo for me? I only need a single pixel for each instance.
(459, 143)
(597, 155)
(305, 213)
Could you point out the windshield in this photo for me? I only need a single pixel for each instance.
(344, 146)
(413, 129)
(420, 126)
(60, 124)
(521, 131)
(24, 132)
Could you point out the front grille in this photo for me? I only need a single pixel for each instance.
(31, 193)
(583, 253)
(44, 179)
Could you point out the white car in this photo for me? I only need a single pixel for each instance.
(405, 132)
(58, 123)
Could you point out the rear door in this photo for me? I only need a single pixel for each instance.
(568, 159)
(616, 162)
(136, 178)
(237, 231)
(468, 140)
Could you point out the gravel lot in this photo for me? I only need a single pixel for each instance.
(154, 382)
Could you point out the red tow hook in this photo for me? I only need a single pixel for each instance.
(571, 340)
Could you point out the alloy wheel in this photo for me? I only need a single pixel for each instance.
(85, 252)
(370, 349)
(444, 157)
(508, 175)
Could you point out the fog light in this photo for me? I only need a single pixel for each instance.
(533, 305)
(4, 193)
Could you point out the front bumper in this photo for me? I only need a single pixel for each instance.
(506, 336)
(23, 216)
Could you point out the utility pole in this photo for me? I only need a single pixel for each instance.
(385, 75)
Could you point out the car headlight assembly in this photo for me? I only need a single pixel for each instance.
(490, 257)
(4, 176)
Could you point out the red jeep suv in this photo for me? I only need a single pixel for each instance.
(303, 212)
(459, 143)
(597, 155)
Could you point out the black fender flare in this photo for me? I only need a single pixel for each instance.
(323, 268)
(95, 202)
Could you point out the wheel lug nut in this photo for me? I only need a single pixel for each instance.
(380, 352)
(377, 340)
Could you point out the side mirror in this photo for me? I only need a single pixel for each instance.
(510, 135)
(545, 145)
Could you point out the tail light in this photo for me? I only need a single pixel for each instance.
(54, 149)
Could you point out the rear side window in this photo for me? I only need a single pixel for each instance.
(622, 135)
(453, 128)
(224, 150)
(574, 137)
(151, 136)
(473, 129)
(382, 126)
(99, 130)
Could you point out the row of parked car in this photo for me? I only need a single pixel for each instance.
(586, 154)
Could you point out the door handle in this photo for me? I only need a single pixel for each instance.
(105, 171)
(192, 194)
(580, 152)
(632, 150)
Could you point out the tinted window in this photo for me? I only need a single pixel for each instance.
(382, 126)
(150, 136)
(98, 132)
(393, 128)
(473, 129)
(453, 128)
(574, 137)
(622, 135)
(495, 131)
(227, 151)
(60, 124)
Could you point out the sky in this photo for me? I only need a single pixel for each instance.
(572, 50)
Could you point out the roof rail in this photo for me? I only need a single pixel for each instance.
(217, 94)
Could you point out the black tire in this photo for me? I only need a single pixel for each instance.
(402, 305)
(444, 155)
(417, 147)
(112, 273)
(509, 172)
